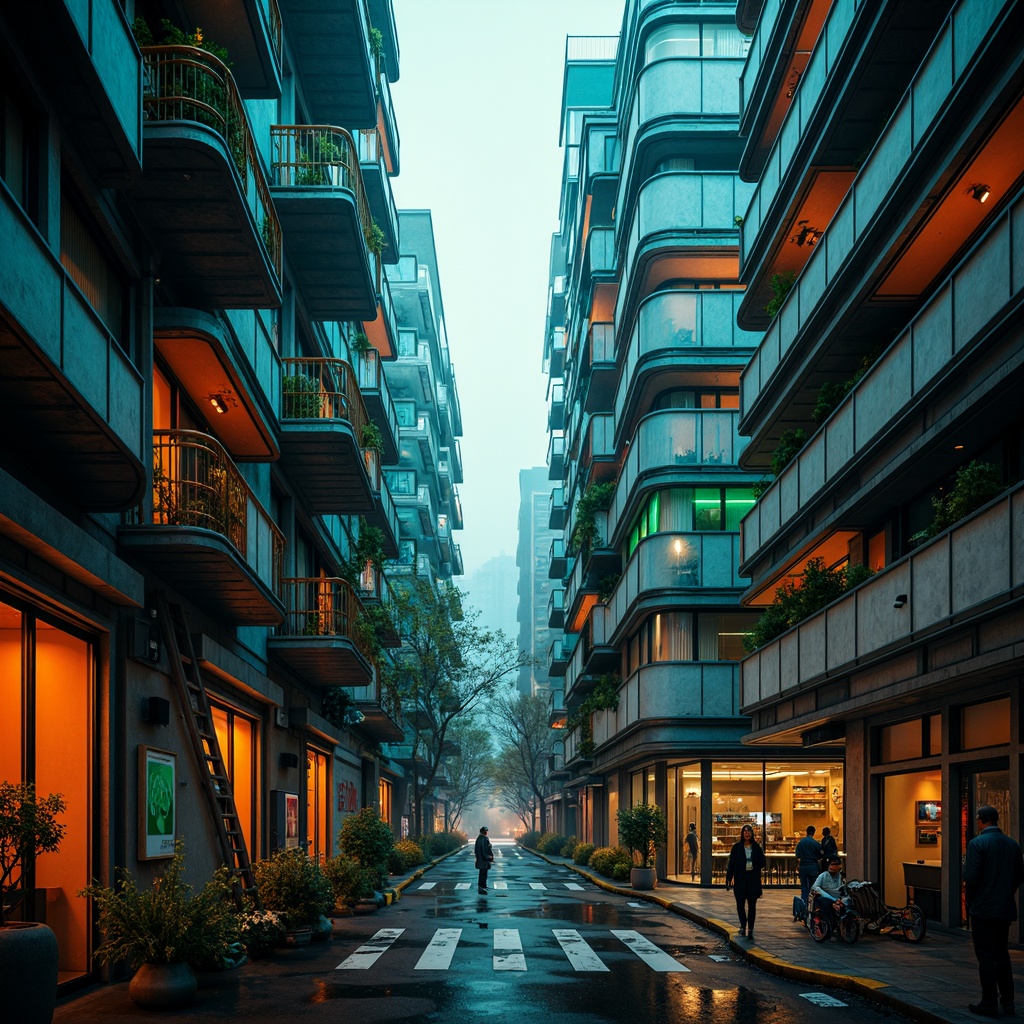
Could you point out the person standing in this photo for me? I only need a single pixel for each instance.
(743, 874)
(808, 856)
(693, 848)
(993, 871)
(484, 858)
(829, 847)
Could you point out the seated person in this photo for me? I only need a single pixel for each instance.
(826, 885)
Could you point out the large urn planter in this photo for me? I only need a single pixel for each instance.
(28, 972)
(295, 938)
(163, 986)
(643, 878)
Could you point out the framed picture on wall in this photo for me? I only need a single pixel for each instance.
(291, 820)
(157, 803)
(929, 812)
(927, 837)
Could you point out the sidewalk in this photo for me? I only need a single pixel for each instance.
(930, 981)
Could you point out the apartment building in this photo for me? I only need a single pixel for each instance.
(195, 310)
(883, 236)
(648, 486)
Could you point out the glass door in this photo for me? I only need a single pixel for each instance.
(981, 785)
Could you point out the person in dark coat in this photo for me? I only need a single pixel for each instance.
(808, 855)
(484, 858)
(693, 849)
(743, 875)
(829, 848)
(993, 871)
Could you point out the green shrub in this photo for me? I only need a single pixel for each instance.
(260, 931)
(293, 884)
(349, 880)
(643, 830)
(396, 861)
(604, 859)
(581, 855)
(529, 840)
(620, 871)
(790, 442)
(976, 484)
(550, 842)
(569, 846)
(303, 397)
(781, 285)
(410, 851)
(437, 844)
(367, 838)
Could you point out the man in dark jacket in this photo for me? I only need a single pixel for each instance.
(993, 871)
(484, 858)
(808, 853)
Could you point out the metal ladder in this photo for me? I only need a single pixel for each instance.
(195, 706)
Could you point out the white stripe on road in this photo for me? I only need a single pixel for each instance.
(427, 885)
(508, 950)
(462, 885)
(574, 885)
(368, 954)
(499, 885)
(634, 904)
(821, 999)
(537, 885)
(438, 955)
(655, 958)
(580, 955)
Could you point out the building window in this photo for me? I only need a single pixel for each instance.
(985, 725)
(690, 39)
(689, 510)
(318, 797)
(405, 413)
(384, 798)
(689, 636)
(400, 481)
(236, 735)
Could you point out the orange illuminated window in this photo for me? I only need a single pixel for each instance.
(317, 810)
(236, 735)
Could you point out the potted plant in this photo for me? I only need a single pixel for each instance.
(643, 830)
(165, 929)
(368, 839)
(292, 884)
(28, 950)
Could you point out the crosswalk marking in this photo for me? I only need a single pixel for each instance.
(427, 885)
(438, 955)
(574, 885)
(510, 957)
(580, 955)
(368, 954)
(500, 885)
(655, 958)
(537, 885)
(462, 885)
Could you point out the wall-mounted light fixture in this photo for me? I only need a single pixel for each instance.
(220, 404)
(287, 760)
(980, 192)
(156, 710)
(900, 602)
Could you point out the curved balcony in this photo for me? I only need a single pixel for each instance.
(666, 564)
(202, 179)
(325, 214)
(677, 330)
(319, 638)
(673, 442)
(375, 162)
(373, 385)
(556, 508)
(556, 608)
(598, 370)
(322, 421)
(205, 533)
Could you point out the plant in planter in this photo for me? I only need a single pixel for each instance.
(643, 830)
(976, 484)
(350, 881)
(371, 437)
(292, 884)
(781, 285)
(368, 839)
(360, 343)
(165, 929)
(28, 950)
(375, 240)
(303, 397)
(585, 536)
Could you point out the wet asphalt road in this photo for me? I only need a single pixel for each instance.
(571, 968)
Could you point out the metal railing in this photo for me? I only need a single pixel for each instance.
(195, 483)
(185, 83)
(324, 606)
(320, 388)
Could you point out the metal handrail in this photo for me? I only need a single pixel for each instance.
(320, 606)
(322, 388)
(186, 83)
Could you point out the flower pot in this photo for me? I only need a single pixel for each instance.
(296, 937)
(365, 906)
(28, 972)
(643, 878)
(163, 986)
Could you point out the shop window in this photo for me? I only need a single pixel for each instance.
(384, 798)
(900, 742)
(935, 734)
(985, 725)
(318, 796)
(236, 735)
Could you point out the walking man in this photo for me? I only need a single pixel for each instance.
(808, 854)
(993, 871)
(484, 858)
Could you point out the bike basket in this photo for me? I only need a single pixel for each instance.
(866, 900)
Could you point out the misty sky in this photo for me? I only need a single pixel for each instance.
(477, 108)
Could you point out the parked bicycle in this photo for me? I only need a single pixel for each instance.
(839, 916)
(879, 918)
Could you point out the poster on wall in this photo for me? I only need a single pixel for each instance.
(157, 803)
(291, 820)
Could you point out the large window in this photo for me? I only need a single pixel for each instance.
(689, 636)
(236, 735)
(692, 39)
(689, 510)
(318, 797)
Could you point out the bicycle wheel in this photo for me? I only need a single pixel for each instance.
(819, 927)
(913, 923)
(849, 928)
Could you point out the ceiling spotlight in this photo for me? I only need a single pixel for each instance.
(980, 192)
(219, 403)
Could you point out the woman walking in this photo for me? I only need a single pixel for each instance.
(743, 873)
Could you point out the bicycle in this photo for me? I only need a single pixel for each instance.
(881, 919)
(839, 916)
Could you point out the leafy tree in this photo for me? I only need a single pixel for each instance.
(521, 724)
(469, 771)
(446, 668)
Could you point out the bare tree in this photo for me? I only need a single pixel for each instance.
(469, 770)
(445, 669)
(511, 789)
(521, 724)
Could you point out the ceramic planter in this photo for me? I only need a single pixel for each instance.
(163, 986)
(28, 972)
(643, 878)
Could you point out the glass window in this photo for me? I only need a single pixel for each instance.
(985, 725)
(400, 481)
(408, 343)
(236, 735)
(405, 413)
(681, 40)
(900, 742)
(707, 509)
(738, 502)
(318, 797)
(724, 41)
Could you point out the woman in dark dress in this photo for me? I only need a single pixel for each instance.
(743, 873)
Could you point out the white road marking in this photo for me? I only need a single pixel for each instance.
(500, 885)
(537, 885)
(574, 885)
(634, 904)
(462, 885)
(580, 955)
(508, 950)
(368, 954)
(821, 999)
(427, 885)
(719, 959)
(438, 955)
(655, 958)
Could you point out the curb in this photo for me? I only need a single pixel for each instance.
(878, 991)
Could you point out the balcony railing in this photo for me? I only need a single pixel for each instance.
(183, 83)
(321, 389)
(321, 606)
(196, 484)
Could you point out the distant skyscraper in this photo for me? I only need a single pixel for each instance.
(492, 592)
(533, 556)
